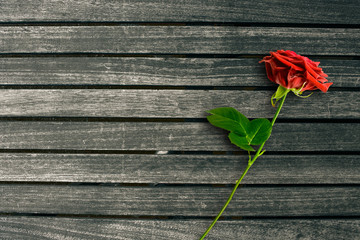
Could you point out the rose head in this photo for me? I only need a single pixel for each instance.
(295, 72)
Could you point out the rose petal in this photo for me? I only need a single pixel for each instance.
(294, 71)
(287, 62)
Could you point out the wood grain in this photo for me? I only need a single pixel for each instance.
(306, 11)
(179, 201)
(167, 71)
(179, 169)
(309, 196)
(178, 40)
(170, 103)
(165, 136)
(34, 228)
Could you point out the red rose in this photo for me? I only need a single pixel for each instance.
(295, 72)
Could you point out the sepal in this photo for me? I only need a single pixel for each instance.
(280, 92)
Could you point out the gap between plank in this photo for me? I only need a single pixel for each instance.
(133, 119)
(157, 87)
(173, 23)
(180, 185)
(154, 152)
(160, 55)
(161, 217)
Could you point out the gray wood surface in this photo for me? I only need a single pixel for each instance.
(179, 200)
(178, 39)
(192, 169)
(89, 59)
(306, 11)
(163, 136)
(34, 228)
(157, 71)
(171, 103)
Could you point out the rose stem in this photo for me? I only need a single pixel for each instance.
(258, 153)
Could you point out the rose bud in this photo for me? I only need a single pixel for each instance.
(294, 72)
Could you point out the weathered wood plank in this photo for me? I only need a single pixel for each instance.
(157, 71)
(179, 201)
(170, 103)
(178, 39)
(196, 169)
(306, 11)
(163, 136)
(34, 228)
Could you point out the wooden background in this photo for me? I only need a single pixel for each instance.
(103, 129)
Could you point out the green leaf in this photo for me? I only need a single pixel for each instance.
(243, 133)
(259, 131)
(229, 119)
(240, 141)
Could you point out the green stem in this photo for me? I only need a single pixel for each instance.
(272, 124)
(257, 154)
(278, 110)
(227, 202)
